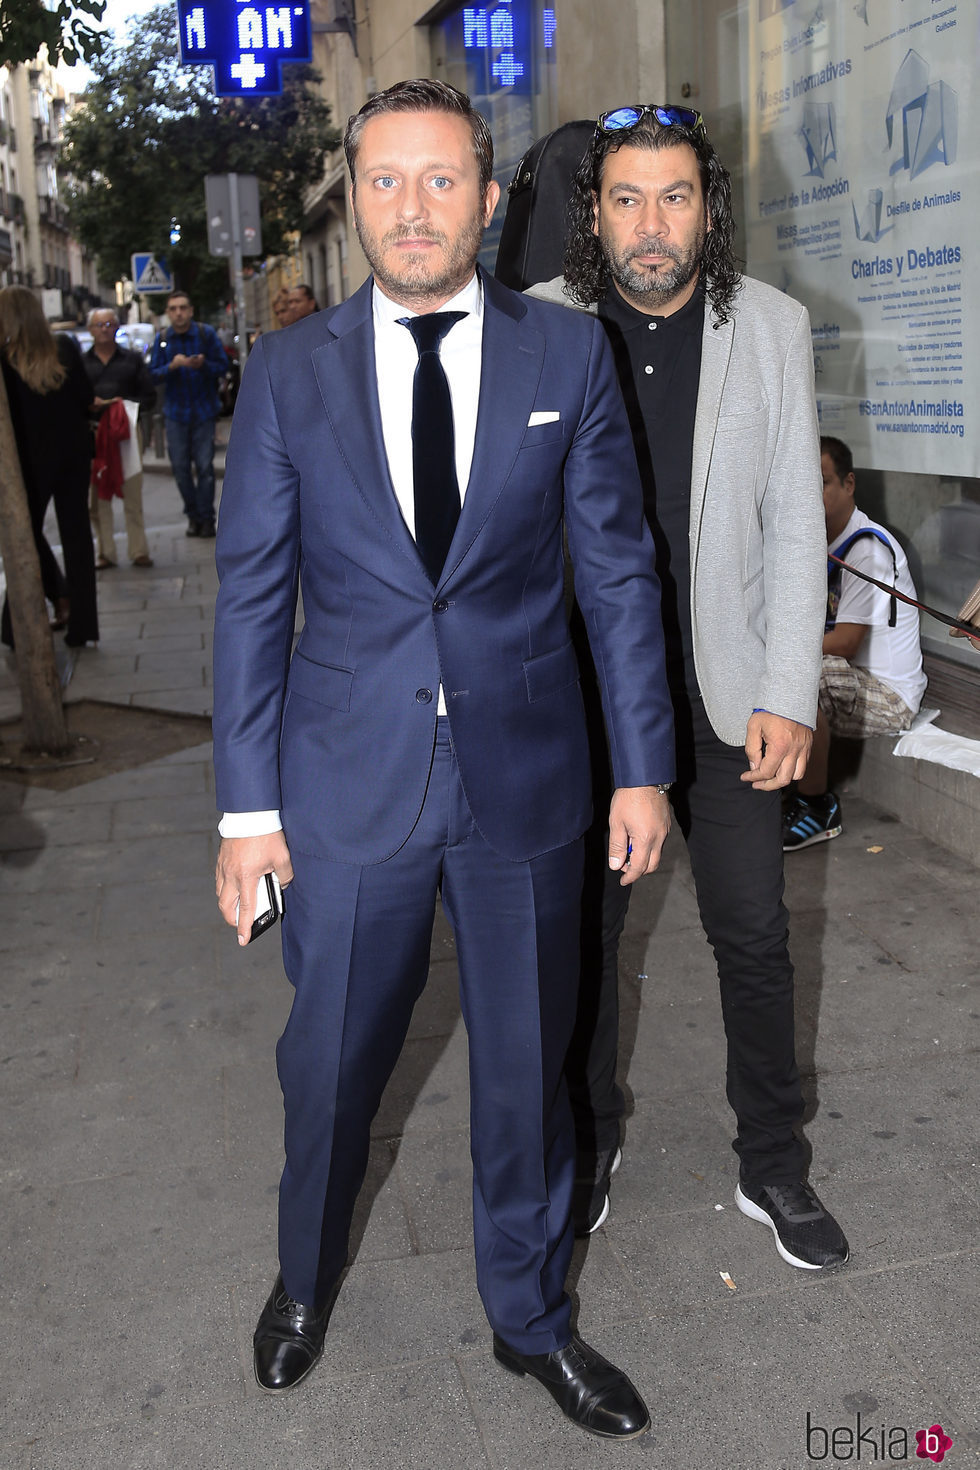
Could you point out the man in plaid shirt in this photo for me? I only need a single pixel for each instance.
(189, 360)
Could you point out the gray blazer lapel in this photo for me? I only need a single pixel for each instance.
(716, 351)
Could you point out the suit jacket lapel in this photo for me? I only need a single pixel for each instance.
(513, 356)
(716, 351)
(348, 382)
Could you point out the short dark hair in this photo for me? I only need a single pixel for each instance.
(423, 94)
(586, 272)
(840, 456)
(306, 290)
(182, 295)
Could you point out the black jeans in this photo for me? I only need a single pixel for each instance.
(734, 840)
(70, 492)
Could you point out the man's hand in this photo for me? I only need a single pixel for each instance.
(639, 820)
(241, 863)
(778, 750)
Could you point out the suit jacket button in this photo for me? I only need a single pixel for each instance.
(424, 696)
(441, 606)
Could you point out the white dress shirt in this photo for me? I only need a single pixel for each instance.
(396, 358)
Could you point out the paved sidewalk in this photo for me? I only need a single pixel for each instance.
(142, 1138)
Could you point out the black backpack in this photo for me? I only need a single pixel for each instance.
(532, 240)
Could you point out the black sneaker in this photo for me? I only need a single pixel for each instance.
(810, 819)
(806, 1235)
(193, 528)
(590, 1197)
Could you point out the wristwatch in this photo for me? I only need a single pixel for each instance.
(662, 787)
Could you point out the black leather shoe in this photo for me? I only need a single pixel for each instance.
(206, 529)
(588, 1389)
(288, 1340)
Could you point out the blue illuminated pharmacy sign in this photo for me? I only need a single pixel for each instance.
(245, 42)
(502, 34)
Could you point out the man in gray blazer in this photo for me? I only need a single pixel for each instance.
(717, 373)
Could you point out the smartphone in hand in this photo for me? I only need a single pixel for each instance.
(268, 905)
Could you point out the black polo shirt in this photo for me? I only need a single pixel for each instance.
(125, 375)
(658, 359)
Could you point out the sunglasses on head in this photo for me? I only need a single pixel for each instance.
(622, 119)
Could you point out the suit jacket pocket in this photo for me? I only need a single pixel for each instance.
(536, 434)
(550, 672)
(323, 683)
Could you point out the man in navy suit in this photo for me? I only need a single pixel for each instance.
(427, 734)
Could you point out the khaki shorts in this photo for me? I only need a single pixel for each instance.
(857, 705)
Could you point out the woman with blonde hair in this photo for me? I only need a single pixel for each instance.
(49, 394)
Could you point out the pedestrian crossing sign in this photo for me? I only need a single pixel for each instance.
(150, 275)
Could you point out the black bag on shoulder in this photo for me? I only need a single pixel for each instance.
(532, 240)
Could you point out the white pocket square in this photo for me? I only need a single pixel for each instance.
(545, 416)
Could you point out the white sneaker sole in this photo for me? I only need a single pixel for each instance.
(602, 1218)
(823, 836)
(617, 1160)
(755, 1213)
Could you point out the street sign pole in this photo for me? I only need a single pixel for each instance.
(231, 202)
(237, 274)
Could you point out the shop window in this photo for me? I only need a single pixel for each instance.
(503, 55)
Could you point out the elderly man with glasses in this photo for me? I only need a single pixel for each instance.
(118, 373)
(717, 372)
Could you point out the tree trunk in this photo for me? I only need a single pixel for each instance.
(40, 692)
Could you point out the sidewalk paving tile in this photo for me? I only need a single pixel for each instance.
(142, 1147)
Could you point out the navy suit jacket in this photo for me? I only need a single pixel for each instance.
(339, 737)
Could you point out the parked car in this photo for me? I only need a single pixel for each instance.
(138, 335)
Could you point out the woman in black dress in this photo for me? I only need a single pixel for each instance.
(49, 395)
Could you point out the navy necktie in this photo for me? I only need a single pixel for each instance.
(433, 442)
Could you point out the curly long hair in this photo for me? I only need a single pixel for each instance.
(586, 272)
(26, 340)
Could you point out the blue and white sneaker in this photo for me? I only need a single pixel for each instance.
(809, 819)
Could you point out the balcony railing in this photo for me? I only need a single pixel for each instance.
(52, 212)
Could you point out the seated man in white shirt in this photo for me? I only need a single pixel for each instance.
(872, 681)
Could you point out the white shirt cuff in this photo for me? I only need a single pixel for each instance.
(249, 824)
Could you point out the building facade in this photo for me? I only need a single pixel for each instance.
(16, 173)
(36, 248)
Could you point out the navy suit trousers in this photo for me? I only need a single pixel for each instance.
(356, 949)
